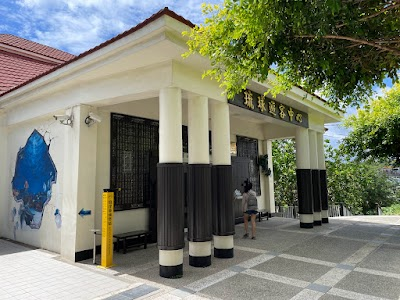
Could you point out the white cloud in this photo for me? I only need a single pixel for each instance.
(78, 25)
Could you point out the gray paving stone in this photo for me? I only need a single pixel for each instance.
(237, 269)
(385, 258)
(319, 287)
(247, 287)
(345, 267)
(332, 297)
(378, 286)
(139, 291)
(192, 274)
(326, 248)
(293, 269)
(118, 297)
(272, 240)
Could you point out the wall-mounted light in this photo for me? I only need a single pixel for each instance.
(92, 118)
(64, 119)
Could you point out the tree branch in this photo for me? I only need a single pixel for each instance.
(380, 12)
(346, 38)
(392, 6)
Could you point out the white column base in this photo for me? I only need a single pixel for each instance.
(200, 254)
(325, 216)
(171, 263)
(306, 220)
(223, 246)
(317, 218)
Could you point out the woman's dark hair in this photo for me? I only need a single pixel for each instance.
(248, 186)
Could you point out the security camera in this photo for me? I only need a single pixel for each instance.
(92, 118)
(61, 117)
(95, 117)
(64, 119)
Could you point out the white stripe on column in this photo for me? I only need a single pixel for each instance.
(223, 242)
(171, 258)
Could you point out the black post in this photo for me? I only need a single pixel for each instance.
(170, 213)
(223, 216)
(305, 196)
(316, 188)
(199, 210)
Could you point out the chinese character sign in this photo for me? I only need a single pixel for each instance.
(261, 104)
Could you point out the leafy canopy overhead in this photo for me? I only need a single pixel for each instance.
(338, 48)
(376, 128)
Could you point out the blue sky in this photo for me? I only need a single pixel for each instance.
(78, 25)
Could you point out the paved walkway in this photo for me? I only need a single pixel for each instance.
(349, 258)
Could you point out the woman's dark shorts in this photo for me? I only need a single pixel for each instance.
(251, 212)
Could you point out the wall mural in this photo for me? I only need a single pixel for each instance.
(35, 173)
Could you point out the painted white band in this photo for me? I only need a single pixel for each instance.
(223, 242)
(317, 216)
(324, 214)
(170, 258)
(307, 218)
(200, 248)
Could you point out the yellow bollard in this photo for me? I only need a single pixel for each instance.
(107, 229)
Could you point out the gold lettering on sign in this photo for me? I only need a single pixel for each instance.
(282, 111)
(299, 118)
(290, 112)
(248, 99)
(261, 103)
(272, 108)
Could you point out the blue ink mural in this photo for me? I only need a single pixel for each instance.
(34, 175)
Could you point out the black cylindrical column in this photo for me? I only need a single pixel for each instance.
(305, 196)
(170, 216)
(199, 213)
(324, 195)
(223, 220)
(316, 189)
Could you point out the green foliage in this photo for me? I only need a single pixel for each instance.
(392, 210)
(376, 128)
(284, 166)
(338, 48)
(360, 185)
(263, 163)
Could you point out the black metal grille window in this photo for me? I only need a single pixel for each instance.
(133, 141)
(247, 147)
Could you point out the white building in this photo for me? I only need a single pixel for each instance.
(142, 90)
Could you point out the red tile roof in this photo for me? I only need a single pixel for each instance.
(34, 47)
(16, 69)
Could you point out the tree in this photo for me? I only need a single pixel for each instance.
(361, 185)
(284, 162)
(376, 128)
(338, 48)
